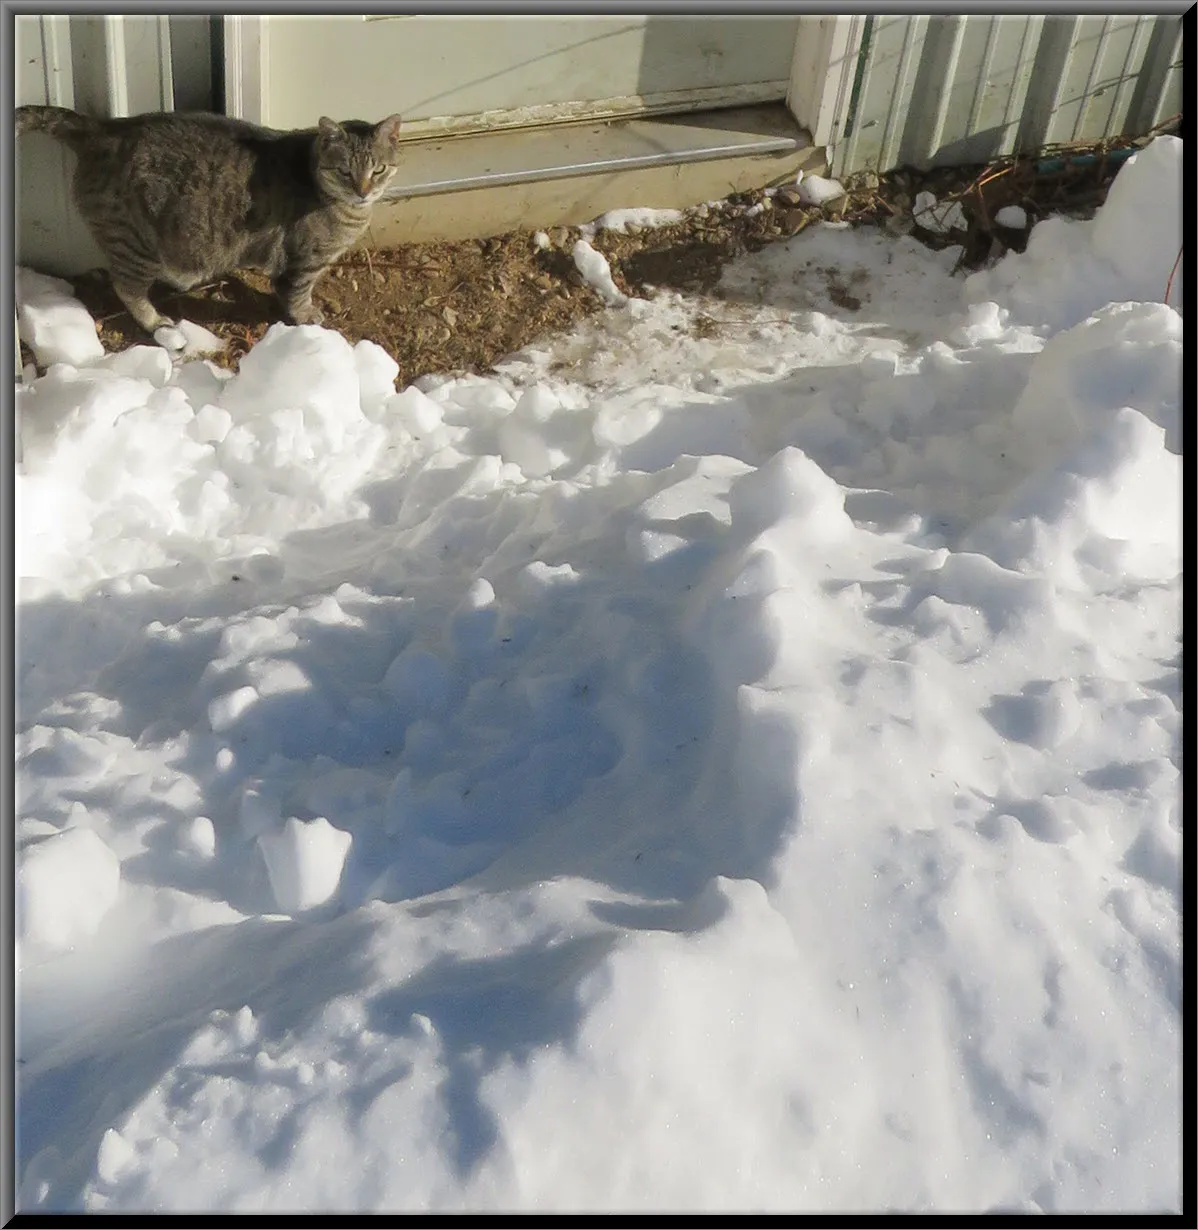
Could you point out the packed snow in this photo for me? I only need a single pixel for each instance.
(939, 217)
(727, 758)
(818, 190)
(1012, 216)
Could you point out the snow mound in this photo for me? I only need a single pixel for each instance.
(1070, 269)
(607, 781)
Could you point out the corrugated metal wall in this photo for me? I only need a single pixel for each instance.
(948, 89)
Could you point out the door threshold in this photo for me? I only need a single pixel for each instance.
(565, 151)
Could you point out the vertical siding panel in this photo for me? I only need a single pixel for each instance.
(1156, 96)
(1169, 95)
(964, 89)
(884, 100)
(943, 51)
(915, 33)
(1129, 76)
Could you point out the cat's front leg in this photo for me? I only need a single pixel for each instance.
(135, 295)
(294, 289)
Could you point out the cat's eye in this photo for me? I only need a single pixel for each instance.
(378, 170)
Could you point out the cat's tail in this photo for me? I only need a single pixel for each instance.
(66, 125)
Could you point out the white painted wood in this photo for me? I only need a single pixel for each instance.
(121, 64)
(433, 67)
(823, 65)
(139, 63)
(245, 69)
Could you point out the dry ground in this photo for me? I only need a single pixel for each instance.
(462, 306)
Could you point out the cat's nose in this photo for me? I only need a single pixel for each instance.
(363, 188)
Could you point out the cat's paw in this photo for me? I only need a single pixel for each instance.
(170, 337)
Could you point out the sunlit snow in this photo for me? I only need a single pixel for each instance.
(727, 758)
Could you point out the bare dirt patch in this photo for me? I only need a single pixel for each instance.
(449, 307)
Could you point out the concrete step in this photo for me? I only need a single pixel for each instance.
(475, 186)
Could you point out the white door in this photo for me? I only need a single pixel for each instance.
(476, 73)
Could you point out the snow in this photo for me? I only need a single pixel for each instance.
(698, 768)
(1126, 253)
(622, 220)
(818, 190)
(596, 272)
(1014, 216)
(938, 217)
(54, 325)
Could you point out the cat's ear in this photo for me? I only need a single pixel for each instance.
(327, 127)
(386, 132)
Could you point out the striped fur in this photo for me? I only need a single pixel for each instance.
(185, 198)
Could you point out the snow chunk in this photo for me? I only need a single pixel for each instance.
(415, 410)
(597, 272)
(816, 190)
(66, 884)
(186, 339)
(150, 363)
(620, 220)
(304, 862)
(526, 447)
(1014, 216)
(939, 219)
(225, 710)
(53, 323)
(538, 403)
(377, 372)
(114, 1157)
(199, 838)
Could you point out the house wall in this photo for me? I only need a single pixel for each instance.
(932, 91)
(877, 91)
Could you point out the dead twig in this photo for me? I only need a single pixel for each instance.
(1169, 284)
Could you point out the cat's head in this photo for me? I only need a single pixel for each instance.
(355, 161)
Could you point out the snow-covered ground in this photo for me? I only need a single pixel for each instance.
(726, 759)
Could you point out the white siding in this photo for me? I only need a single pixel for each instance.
(962, 89)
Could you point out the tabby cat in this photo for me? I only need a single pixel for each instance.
(186, 197)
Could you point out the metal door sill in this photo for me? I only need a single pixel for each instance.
(563, 151)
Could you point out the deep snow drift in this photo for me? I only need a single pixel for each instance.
(726, 759)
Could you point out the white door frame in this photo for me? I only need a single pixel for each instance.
(245, 68)
(824, 68)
